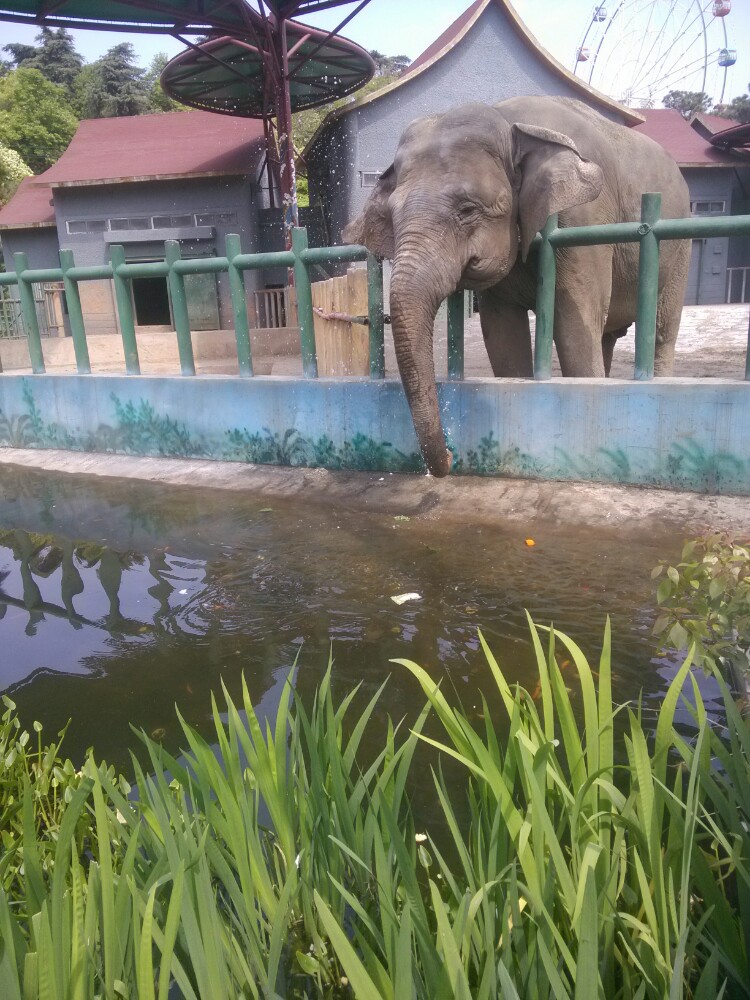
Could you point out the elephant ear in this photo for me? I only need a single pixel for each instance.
(374, 227)
(553, 176)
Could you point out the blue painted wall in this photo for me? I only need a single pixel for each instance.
(669, 433)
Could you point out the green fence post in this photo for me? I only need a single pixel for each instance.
(304, 305)
(648, 288)
(28, 312)
(125, 311)
(455, 310)
(179, 308)
(375, 316)
(545, 303)
(75, 314)
(239, 306)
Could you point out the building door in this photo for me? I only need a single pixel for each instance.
(693, 291)
(151, 302)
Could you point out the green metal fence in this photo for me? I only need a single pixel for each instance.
(649, 232)
(301, 258)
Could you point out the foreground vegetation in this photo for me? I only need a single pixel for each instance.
(593, 860)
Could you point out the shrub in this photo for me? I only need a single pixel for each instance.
(705, 600)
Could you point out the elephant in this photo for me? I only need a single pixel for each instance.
(459, 208)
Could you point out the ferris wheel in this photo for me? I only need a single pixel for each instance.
(638, 50)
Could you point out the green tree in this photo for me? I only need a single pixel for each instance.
(19, 53)
(687, 102)
(158, 100)
(36, 119)
(388, 65)
(113, 86)
(12, 172)
(738, 109)
(54, 56)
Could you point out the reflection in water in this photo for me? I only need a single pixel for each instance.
(118, 600)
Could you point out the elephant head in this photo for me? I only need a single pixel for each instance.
(466, 191)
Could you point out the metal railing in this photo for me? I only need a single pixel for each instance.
(302, 259)
(272, 307)
(11, 318)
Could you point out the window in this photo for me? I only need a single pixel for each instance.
(75, 226)
(369, 178)
(172, 221)
(135, 223)
(216, 219)
(708, 207)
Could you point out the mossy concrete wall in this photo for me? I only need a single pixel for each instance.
(671, 433)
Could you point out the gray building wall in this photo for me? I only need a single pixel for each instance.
(489, 64)
(708, 264)
(191, 196)
(739, 246)
(39, 244)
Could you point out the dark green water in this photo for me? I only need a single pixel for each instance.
(118, 600)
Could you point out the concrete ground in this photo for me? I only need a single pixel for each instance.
(624, 509)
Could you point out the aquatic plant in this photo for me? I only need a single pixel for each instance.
(292, 864)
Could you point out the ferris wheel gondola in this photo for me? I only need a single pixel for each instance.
(638, 50)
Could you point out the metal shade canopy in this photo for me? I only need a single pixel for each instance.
(158, 16)
(230, 76)
(261, 65)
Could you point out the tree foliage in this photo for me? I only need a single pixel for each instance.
(687, 102)
(158, 100)
(54, 56)
(388, 65)
(36, 119)
(113, 86)
(738, 109)
(12, 172)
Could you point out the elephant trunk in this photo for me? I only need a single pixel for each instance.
(416, 293)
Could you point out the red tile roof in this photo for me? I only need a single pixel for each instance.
(667, 127)
(144, 147)
(30, 207)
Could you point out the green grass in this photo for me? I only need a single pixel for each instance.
(597, 860)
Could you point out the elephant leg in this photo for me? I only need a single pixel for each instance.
(505, 328)
(584, 286)
(609, 339)
(669, 310)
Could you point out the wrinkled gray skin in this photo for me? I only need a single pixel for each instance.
(459, 207)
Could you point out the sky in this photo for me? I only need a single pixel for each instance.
(407, 27)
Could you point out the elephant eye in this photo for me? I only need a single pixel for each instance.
(467, 211)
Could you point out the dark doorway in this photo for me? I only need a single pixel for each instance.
(151, 301)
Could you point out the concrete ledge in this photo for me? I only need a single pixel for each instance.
(480, 501)
(671, 433)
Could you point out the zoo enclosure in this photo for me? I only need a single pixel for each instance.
(648, 232)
